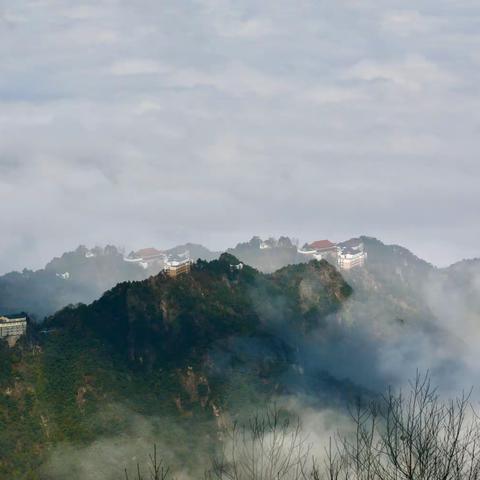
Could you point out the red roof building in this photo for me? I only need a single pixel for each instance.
(322, 245)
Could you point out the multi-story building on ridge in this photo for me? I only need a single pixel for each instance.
(351, 254)
(345, 255)
(324, 247)
(158, 261)
(12, 327)
(174, 268)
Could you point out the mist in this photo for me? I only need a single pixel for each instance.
(131, 441)
(153, 124)
(355, 353)
(347, 118)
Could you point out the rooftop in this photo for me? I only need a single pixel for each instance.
(12, 318)
(177, 263)
(322, 244)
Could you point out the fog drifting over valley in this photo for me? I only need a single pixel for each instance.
(156, 123)
(362, 354)
(145, 123)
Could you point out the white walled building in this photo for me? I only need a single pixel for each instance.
(351, 259)
(351, 254)
(345, 255)
(12, 328)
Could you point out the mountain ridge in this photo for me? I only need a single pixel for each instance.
(81, 276)
(193, 348)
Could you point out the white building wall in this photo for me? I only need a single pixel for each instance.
(12, 327)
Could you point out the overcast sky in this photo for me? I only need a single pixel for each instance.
(154, 122)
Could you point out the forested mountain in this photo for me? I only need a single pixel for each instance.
(185, 356)
(78, 276)
(195, 348)
(81, 276)
(403, 282)
(392, 274)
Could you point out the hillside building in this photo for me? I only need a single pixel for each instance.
(321, 249)
(147, 257)
(175, 268)
(345, 255)
(351, 254)
(12, 328)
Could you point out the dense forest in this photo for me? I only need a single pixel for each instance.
(178, 361)
(187, 349)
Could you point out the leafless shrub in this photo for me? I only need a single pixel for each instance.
(413, 437)
(399, 437)
(268, 447)
(157, 469)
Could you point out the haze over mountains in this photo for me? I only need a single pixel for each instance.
(133, 127)
(81, 276)
(78, 276)
(154, 358)
(404, 312)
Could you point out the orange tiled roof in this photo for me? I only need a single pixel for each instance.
(322, 244)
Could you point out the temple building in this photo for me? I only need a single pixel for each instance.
(147, 257)
(321, 249)
(345, 255)
(12, 327)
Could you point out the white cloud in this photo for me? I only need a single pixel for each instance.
(410, 22)
(251, 28)
(236, 79)
(12, 19)
(82, 12)
(136, 66)
(187, 112)
(414, 73)
(327, 94)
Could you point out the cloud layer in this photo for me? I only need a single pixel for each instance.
(146, 122)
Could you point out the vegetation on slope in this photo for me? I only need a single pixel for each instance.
(191, 348)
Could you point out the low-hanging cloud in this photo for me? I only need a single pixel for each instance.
(131, 441)
(139, 123)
